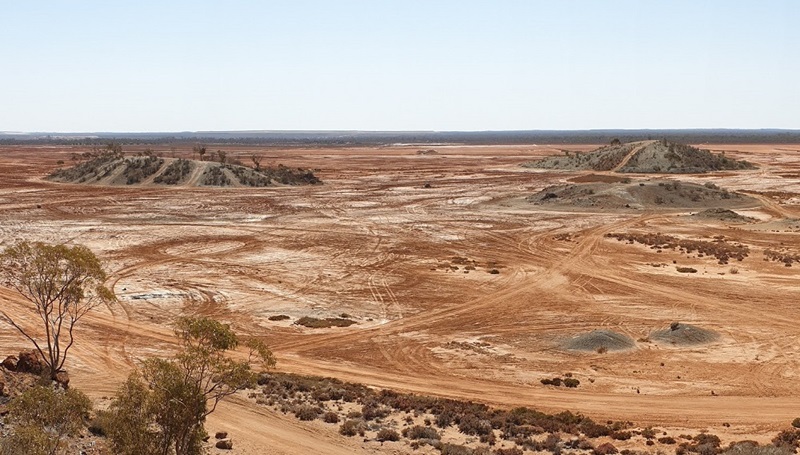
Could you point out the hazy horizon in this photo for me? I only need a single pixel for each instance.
(398, 66)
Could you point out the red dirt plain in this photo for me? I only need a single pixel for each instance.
(373, 242)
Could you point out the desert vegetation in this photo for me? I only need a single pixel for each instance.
(627, 194)
(175, 172)
(91, 166)
(719, 248)
(781, 255)
(62, 284)
(109, 166)
(417, 421)
(138, 169)
(317, 323)
(644, 157)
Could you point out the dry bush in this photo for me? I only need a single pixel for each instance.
(387, 434)
(315, 323)
(352, 427)
(420, 432)
(307, 412)
(330, 417)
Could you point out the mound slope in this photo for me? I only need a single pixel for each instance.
(110, 168)
(650, 194)
(684, 335)
(600, 340)
(721, 214)
(643, 157)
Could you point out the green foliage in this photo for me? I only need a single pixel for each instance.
(63, 283)
(162, 410)
(44, 416)
(175, 172)
(28, 440)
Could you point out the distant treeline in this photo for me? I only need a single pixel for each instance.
(370, 138)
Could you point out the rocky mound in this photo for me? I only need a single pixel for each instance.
(679, 334)
(643, 157)
(112, 168)
(599, 341)
(650, 194)
(721, 214)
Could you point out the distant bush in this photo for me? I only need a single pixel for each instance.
(420, 432)
(278, 317)
(214, 176)
(307, 412)
(686, 270)
(138, 169)
(96, 165)
(387, 434)
(175, 172)
(315, 323)
(510, 451)
(352, 428)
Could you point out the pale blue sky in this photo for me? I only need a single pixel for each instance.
(77, 66)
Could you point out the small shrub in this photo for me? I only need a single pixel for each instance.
(621, 435)
(99, 425)
(351, 427)
(455, 449)
(315, 323)
(511, 451)
(307, 412)
(571, 383)
(420, 432)
(278, 317)
(387, 434)
(686, 270)
(555, 381)
(649, 433)
(788, 438)
(330, 417)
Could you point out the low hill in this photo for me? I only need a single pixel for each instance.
(110, 168)
(643, 157)
(650, 195)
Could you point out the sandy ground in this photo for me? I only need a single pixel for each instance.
(375, 243)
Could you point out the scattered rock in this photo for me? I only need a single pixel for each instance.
(62, 378)
(10, 363)
(225, 444)
(29, 362)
